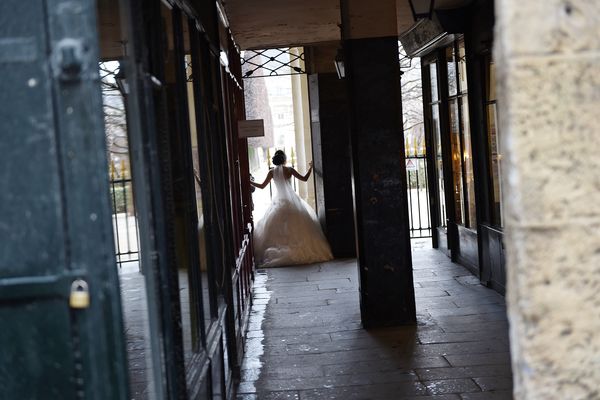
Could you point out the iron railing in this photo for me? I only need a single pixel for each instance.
(418, 196)
(125, 225)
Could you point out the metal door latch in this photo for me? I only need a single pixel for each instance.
(67, 59)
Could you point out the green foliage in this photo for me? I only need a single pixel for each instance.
(120, 198)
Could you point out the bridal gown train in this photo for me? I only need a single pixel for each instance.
(289, 232)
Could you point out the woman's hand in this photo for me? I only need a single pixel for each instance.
(301, 177)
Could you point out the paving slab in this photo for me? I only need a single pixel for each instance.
(305, 340)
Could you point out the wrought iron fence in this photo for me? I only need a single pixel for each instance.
(125, 225)
(418, 196)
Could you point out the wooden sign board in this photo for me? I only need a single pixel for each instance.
(251, 128)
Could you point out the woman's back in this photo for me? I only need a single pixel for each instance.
(289, 232)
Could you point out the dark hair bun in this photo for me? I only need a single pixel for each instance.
(279, 157)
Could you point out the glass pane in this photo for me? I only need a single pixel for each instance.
(435, 113)
(456, 162)
(204, 294)
(450, 62)
(134, 300)
(491, 81)
(186, 261)
(462, 66)
(495, 165)
(468, 161)
(433, 81)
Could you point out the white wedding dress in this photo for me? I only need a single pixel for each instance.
(289, 232)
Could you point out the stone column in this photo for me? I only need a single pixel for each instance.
(548, 57)
(333, 170)
(379, 176)
(369, 30)
(302, 130)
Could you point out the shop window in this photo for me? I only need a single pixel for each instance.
(451, 68)
(460, 137)
(196, 152)
(448, 87)
(434, 84)
(462, 67)
(196, 295)
(469, 178)
(457, 176)
(437, 139)
(435, 112)
(199, 94)
(494, 146)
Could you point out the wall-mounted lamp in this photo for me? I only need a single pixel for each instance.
(339, 64)
(121, 79)
(421, 8)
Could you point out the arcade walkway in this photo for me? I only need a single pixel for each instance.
(305, 341)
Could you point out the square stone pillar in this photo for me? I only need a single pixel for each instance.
(548, 57)
(379, 179)
(331, 155)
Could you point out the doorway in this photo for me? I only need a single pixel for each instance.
(415, 152)
(276, 91)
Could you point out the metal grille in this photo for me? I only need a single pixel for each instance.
(125, 225)
(273, 62)
(418, 196)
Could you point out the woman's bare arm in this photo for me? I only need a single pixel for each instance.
(303, 178)
(265, 183)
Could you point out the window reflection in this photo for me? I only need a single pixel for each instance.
(435, 113)
(199, 202)
(468, 164)
(462, 66)
(434, 82)
(180, 197)
(494, 146)
(457, 178)
(451, 65)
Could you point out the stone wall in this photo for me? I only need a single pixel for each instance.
(548, 56)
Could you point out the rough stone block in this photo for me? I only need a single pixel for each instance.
(550, 26)
(550, 124)
(554, 307)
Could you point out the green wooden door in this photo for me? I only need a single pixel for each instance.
(55, 217)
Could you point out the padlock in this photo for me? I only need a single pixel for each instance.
(80, 294)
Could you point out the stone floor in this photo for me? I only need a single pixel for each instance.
(135, 316)
(305, 339)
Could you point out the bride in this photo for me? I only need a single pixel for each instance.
(289, 233)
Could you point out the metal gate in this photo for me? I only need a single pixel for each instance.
(418, 196)
(60, 314)
(125, 226)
